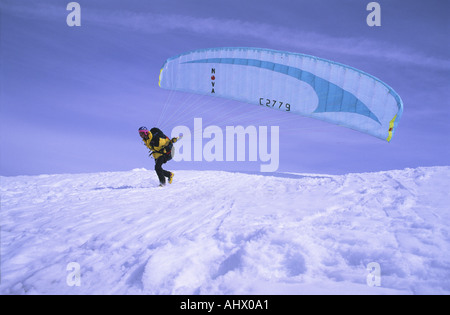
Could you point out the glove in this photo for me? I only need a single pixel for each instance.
(175, 139)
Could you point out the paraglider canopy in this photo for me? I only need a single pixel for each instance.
(290, 82)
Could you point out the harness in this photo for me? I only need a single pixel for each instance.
(168, 148)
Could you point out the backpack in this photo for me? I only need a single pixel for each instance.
(158, 134)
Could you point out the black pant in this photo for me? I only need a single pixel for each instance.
(162, 174)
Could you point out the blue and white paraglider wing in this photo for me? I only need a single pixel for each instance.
(294, 83)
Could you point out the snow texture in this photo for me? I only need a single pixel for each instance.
(213, 232)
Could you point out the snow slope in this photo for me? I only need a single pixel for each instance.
(214, 232)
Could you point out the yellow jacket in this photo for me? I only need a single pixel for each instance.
(159, 148)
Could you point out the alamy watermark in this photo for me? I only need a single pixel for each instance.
(374, 276)
(74, 17)
(236, 143)
(374, 17)
(74, 276)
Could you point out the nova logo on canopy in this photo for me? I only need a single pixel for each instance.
(213, 77)
(294, 83)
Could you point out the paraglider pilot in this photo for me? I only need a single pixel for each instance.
(161, 149)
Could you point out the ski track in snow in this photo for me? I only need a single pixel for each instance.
(214, 232)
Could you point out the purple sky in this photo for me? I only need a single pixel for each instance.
(72, 98)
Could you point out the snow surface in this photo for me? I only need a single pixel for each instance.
(213, 232)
